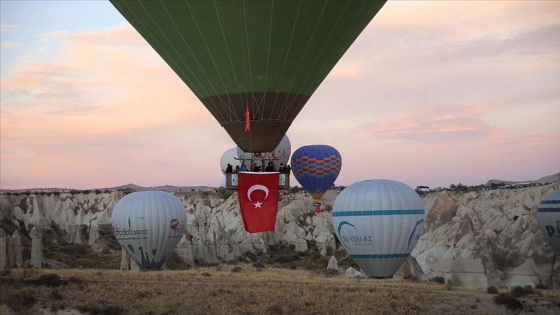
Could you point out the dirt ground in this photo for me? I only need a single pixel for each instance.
(245, 290)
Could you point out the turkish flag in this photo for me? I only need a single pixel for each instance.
(258, 200)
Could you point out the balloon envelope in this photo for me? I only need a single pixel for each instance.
(378, 222)
(149, 225)
(548, 218)
(316, 167)
(269, 56)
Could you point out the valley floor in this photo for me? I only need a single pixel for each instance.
(243, 289)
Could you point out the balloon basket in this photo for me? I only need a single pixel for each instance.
(317, 207)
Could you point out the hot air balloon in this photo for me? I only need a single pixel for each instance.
(316, 167)
(378, 222)
(261, 59)
(548, 218)
(149, 225)
(280, 154)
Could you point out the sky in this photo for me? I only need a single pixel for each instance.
(431, 93)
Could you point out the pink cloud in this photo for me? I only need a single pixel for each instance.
(440, 125)
(95, 106)
(9, 44)
(5, 27)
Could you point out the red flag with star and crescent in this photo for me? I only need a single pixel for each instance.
(258, 200)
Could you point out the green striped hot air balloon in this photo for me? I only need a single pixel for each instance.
(265, 56)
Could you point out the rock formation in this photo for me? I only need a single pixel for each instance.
(18, 252)
(124, 259)
(333, 264)
(36, 247)
(3, 250)
(487, 238)
(472, 238)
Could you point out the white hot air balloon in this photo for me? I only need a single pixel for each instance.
(378, 222)
(281, 154)
(548, 218)
(149, 225)
(229, 157)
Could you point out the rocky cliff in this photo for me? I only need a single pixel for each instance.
(470, 238)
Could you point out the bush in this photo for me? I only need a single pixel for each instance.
(236, 269)
(519, 291)
(510, 301)
(438, 280)
(49, 280)
(492, 290)
(541, 286)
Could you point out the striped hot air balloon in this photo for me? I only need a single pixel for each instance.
(316, 167)
(548, 219)
(378, 222)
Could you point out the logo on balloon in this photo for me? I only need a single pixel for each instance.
(415, 234)
(177, 226)
(352, 237)
(553, 232)
(122, 232)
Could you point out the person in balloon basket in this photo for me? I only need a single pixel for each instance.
(237, 169)
(283, 168)
(288, 168)
(244, 167)
(256, 168)
(229, 168)
(269, 167)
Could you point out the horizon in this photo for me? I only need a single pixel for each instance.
(431, 93)
(536, 180)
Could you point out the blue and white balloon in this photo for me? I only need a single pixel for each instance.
(149, 225)
(378, 222)
(548, 219)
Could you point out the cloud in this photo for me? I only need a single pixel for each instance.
(344, 70)
(539, 137)
(7, 27)
(446, 125)
(93, 105)
(9, 44)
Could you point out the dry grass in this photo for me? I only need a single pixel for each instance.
(219, 290)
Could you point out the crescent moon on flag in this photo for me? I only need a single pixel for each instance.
(257, 187)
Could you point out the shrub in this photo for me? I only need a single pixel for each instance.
(510, 301)
(438, 279)
(236, 269)
(519, 291)
(492, 290)
(412, 278)
(49, 280)
(541, 286)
